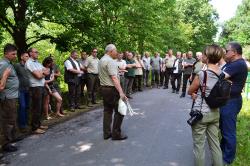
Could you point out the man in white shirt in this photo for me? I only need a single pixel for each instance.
(72, 76)
(122, 68)
(177, 73)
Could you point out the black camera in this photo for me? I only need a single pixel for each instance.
(196, 116)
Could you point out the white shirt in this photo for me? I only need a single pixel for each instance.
(69, 66)
(121, 65)
(146, 61)
(176, 65)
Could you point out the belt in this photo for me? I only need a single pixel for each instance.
(103, 86)
(93, 74)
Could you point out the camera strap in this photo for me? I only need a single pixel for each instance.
(203, 90)
(203, 87)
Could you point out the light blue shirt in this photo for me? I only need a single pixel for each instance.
(33, 65)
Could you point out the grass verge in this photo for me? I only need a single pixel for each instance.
(243, 136)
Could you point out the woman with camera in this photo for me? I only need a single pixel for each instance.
(204, 120)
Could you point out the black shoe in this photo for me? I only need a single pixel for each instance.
(173, 91)
(129, 97)
(90, 105)
(93, 102)
(3, 162)
(79, 107)
(20, 138)
(107, 137)
(140, 90)
(182, 95)
(165, 87)
(119, 138)
(9, 148)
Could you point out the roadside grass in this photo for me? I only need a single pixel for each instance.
(243, 136)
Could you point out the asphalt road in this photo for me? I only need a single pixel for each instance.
(158, 136)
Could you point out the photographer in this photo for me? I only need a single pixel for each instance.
(208, 126)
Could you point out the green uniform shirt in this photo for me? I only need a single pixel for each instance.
(12, 83)
(131, 71)
(107, 67)
(22, 73)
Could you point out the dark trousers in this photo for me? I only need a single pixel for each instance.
(176, 77)
(228, 119)
(162, 76)
(8, 115)
(92, 86)
(122, 82)
(74, 95)
(138, 82)
(146, 77)
(155, 77)
(168, 73)
(37, 95)
(110, 101)
(24, 97)
(184, 82)
(128, 85)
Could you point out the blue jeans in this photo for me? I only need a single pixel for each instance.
(23, 108)
(228, 118)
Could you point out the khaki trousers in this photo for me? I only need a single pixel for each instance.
(208, 128)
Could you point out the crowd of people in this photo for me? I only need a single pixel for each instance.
(117, 75)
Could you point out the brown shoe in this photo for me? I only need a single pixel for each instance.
(39, 131)
(43, 127)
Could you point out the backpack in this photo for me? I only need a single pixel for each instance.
(220, 93)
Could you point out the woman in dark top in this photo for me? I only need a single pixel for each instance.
(51, 90)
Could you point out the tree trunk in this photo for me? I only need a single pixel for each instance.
(20, 41)
(141, 46)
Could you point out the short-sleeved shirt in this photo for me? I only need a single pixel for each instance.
(169, 61)
(107, 68)
(131, 71)
(22, 73)
(82, 61)
(146, 62)
(139, 70)
(12, 83)
(156, 63)
(69, 66)
(198, 67)
(122, 65)
(211, 81)
(92, 65)
(238, 75)
(33, 65)
(189, 69)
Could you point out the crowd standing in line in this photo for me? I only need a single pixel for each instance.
(119, 75)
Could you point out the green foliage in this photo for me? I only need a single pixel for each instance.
(201, 16)
(56, 27)
(238, 27)
(243, 136)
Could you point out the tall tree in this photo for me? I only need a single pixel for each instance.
(17, 15)
(202, 17)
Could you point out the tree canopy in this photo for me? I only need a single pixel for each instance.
(153, 25)
(238, 27)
